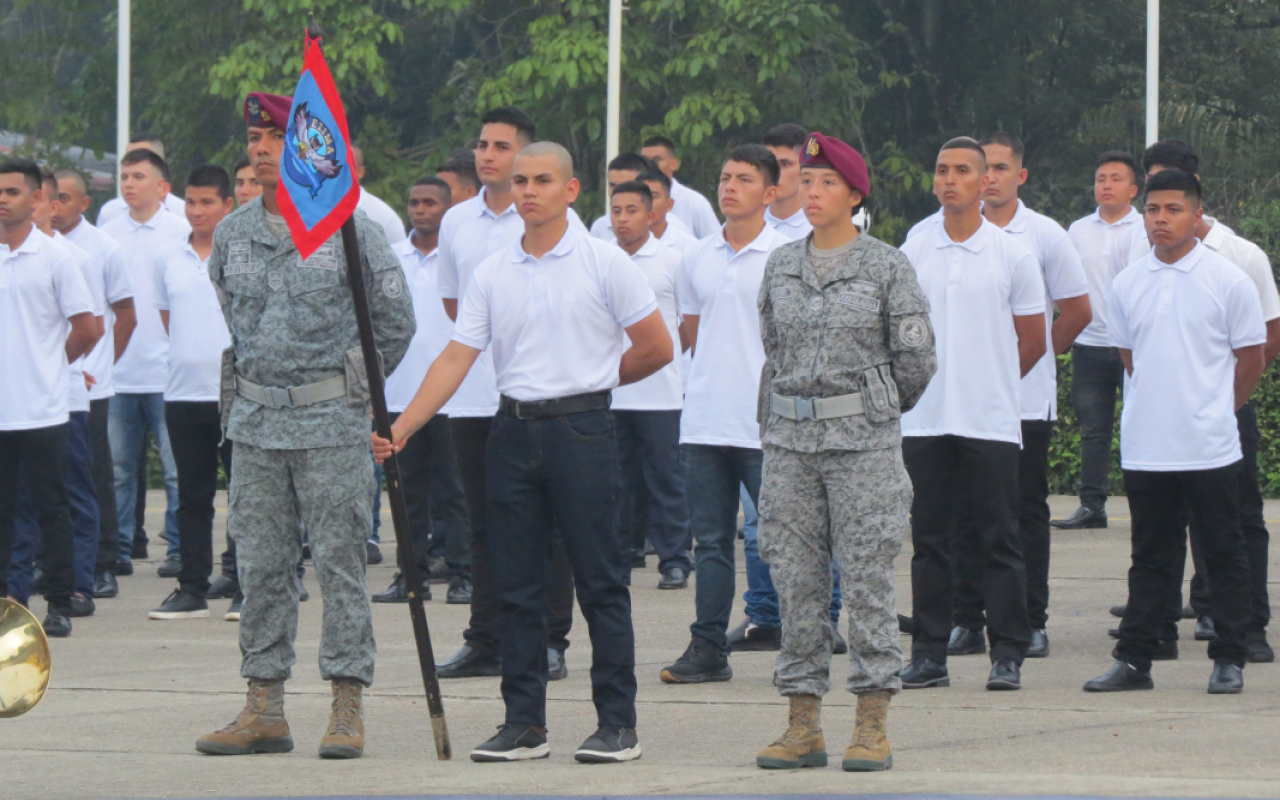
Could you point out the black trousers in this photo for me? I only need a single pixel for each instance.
(1033, 529)
(1159, 556)
(653, 499)
(549, 479)
(484, 631)
(104, 485)
(434, 498)
(1257, 541)
(38, 455)
(951, 473)
(195, 429)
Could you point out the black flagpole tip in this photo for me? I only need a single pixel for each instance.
(313, 28)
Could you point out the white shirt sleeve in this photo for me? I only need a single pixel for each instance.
(447, 271)
(1264, 279)
(1245, 327)
(626, 289)
(474, 327)
(1118, 319)
(115, 274)
(686, 295)
(159, 287)
(1064, 273)
(1026, 290)
(69, 287)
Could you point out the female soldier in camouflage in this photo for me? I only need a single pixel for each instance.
(848, 348)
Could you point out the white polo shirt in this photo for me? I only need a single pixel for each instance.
(469, 233)
(663, 390)
(1249, 257)
(41, 288)
(602, 228)
(1105, 249)
(434, 326)
(794, 227)
(676, 236)
(144, 367)
(384, 215)
(117, 286)
(1182, 321)
(91, 271)
(116, 206)
(722, 287)
(975, 289)
(555, 323)
(197, 329)
(1064, 278)
(693, 210)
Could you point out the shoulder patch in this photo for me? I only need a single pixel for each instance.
(240, 258)
(912, 332)
(392, 286)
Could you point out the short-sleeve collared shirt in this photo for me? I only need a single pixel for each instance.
(722, 287)
(117, 285)
(663, 390)
(91, 271)
(794, 227)
(1105, 249)
(434, 326)
(1249, 257)
(1182, 321)
(694, 210)
(975, 288)
(555, 324)
(197, 330)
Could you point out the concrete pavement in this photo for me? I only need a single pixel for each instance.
(129, 697)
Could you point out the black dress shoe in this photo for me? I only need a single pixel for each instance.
(906, 624)
(1118, 611)
(397, 592)
(121, 566)
(966, 642)
(170, 567)
(557, 669)
(139, 549)
(1039, 644)
(106, 585)
(1257, 651)
(1226, 679)
(1082, 518)
(1165, 651)
(1121, 678)
(222, 588)
(674, 578)
(1114, 633)
(459, 592)
(1005, 676)
(372, 555)
(57, 623)
(925, 673)
(839, 646)
(81, 606)
(750, 636)
(469, 662)
(1204, 630)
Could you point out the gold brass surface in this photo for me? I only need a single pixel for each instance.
(24, 660)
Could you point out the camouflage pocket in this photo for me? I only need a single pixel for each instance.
(879, 396)
(358, 394)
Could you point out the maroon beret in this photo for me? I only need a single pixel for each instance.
(262, 110)
(828, 151)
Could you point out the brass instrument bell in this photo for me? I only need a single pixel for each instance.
(24, 660)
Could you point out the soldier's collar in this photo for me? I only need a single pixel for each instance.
(260, 231)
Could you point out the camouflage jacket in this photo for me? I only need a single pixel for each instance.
(292, 321)
(863, 327)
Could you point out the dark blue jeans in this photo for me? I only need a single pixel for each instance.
(1097, 377)
(649, 449)
(543, 476)
(713, 474)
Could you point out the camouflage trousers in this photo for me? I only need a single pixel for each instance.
(852, 507)
(274, 493)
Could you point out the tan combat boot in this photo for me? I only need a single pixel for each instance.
(869, 750)
(802, 744)
(260, 728)
(345, 737)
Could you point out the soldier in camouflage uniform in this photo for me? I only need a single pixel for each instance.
(297, 408)
(848, 347)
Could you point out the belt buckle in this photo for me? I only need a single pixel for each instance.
(520, 408)
(805, 408)
(280, 398)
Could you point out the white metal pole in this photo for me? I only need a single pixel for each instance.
(1153, 71)
(122, 83)
(613, 102)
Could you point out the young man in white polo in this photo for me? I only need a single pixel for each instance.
(142, 370)
(961, 442)
(690, 207)
(471, 232)
(46, 313)
(192, 317)
(719, 434)
(1188, 324)
(119, 320)
(553, 308)
(648, 412)
(1067, 293)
